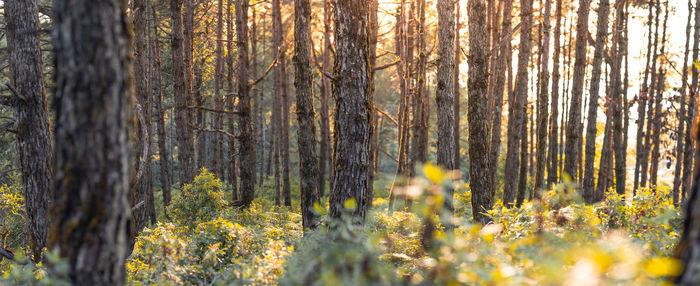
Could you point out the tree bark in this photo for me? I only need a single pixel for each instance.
(232, 166)
(592, 126)
(478, 60)
(658, 115)
(552, 167)
(501, 66)
(618, 50)
(444, 97)
(456, 87)
(181, 96)
(353, 109)
(303, 82)
(31, 118)
(574, 126)
(89, 221)
(542, 114)
(246, 138)
(688, 152)
(518, 107)
(165, 178)
(218, 101)
(680, 140)
(281, 91)
(324, 118)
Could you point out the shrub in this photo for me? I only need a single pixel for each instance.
(203, 200)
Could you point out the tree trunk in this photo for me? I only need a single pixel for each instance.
(644, 155)
(519, 103)
(246, 141)
(353, 120)
(218, 101)
(31, 118)
(641, 101)
(89, 222)
(552, 167)
(303, 82)
(419, 151)
(181, 96)
(680, 140)
(574, 126)
(541, 157)
(478, 61)
(456, 89)
(232, 166)
(281, 91)
(444, 97)
(688, 152)
(658, 116)
(618, 51)
(324, 118)
(502, 64)
(165, 178)
(592, 126)
(373, 34)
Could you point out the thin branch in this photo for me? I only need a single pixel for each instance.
(15, 93)
(396, 122)
(385, 66)
(267, 71)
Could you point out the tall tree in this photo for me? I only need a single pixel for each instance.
(181, 96)
(642, 99)
(31, 117)
(303, 82)
(680, 139)
(478, 61)
(574, 125)
(658, 115)
(246, 138)
(157, 90)
(456, 88)
(218, 100)
(281, 92)
(688, 152)
(353, 120)
(140, 194)
(592, 126)
(497, 91)
(89, 222)
(518, 108)
(232, 167)
(444, 97)
(324, 118)
(419, 145)
(552, 167)
(542, 114)
(650, 95)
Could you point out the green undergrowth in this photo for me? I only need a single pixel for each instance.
(557, 240)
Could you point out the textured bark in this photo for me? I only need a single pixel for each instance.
(281, 91)
(574, 125)
(518, 107)
(522, 173)
(618, 51)
(324, 154)
(642, 101)
(246, 138)
(502, 64)
(592, 126)
(303, 82)
(689, 152)
(89, 222)
(456, 89)
(144, 188)
(553, 164)
(232, 166)
(180, 94)
(658, 115)
(542, 114)
(165, 178)
(373, 36)
(445, 73)
(218, 100)
(401, 42)
(419, 145)
(478, 60)
(353, 109)
(644, 164)
(31, 118)
(680, 140)
(256, 93)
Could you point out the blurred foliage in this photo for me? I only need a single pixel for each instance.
(200, 201)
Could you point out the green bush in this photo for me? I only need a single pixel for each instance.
(203, 200)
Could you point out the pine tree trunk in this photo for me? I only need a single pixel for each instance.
(519, 119)
(642, 101)
(501, 66)
(246, 142)
(303, 82)
(618, 50)
(31, 118)
(232, 166)
(574, 125)
(218, 101)
(680, 140)
(542, 114)
(181, 96)
(456, 88)
(373, 35)
(478, 60)
(165, 178)
(353, 120)
(649, 94)
(689, 151)
(324, 118)
(89, 218)
(419, 151)
(281, 91)
(553, 164)
(592, 126)
(658, 116)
